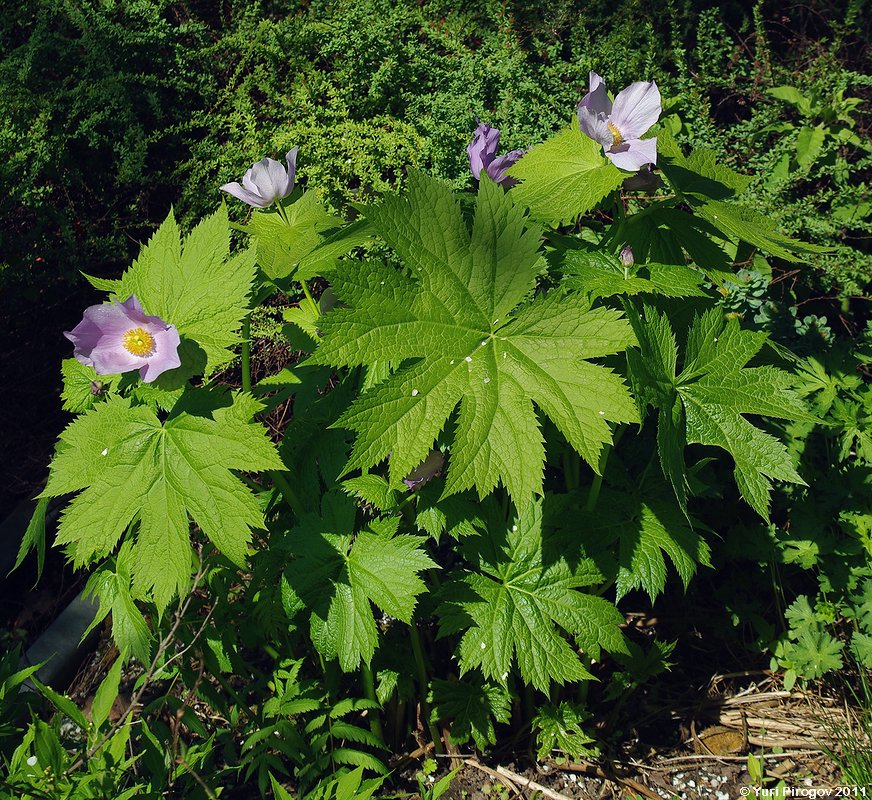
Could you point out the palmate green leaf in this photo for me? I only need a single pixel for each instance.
(195, 285)
(559, 728)
(82, 386)
(646, 529)
(598, 274)
(709, 188)
(667, 235)
(129, 466)
(564, 177)
(454, 326)
(472, 706)
(706, 401)
(517, 606)
(338, 575)
(281, 245)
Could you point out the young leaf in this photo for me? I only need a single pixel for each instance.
(559, 728)
(82, 386)
(453, 323)
(471, 706)
(564, 177)
(34, 537)
(200, 288)
(518, 604)
(282, 245)
(706, 401)
(337, 575)
(131, 466)
(106, 694)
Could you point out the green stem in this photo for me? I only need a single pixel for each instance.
(314, 306)
(422, 680)
(595, 487)
(593, 494)
(246, 354)
(287, 492)
(369, 690)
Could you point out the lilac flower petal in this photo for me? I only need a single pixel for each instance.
(593, 115)
(260, 175)
(291, 158)
(133, 307)
(597, 99)
(110, 358)
(267, 181)
(248, 183)
(166, 355)
(496, 170)
(634, 154)
(278, 179)
(483, 147)
(594, 82)
(636, 109)
(245, 195)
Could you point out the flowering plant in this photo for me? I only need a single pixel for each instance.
(446, 468)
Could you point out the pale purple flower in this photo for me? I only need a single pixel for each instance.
(626, 256)
(618, 126)
(266, 182)
(428, 469)
(119, 337)
(482, 152)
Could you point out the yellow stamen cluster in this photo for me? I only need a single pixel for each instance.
(138, 341)
(616, 135)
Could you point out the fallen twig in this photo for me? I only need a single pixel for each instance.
(488, 771)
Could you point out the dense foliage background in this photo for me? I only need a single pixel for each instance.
(112, 113)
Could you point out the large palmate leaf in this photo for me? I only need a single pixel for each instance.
(710, 190)
(454, 324)
(642, 525)
(518, 604)
(196, 285)
(338, 575)
(133, 467)
(704, 402)
(564, 177)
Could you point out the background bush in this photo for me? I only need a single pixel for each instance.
(111, 112)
